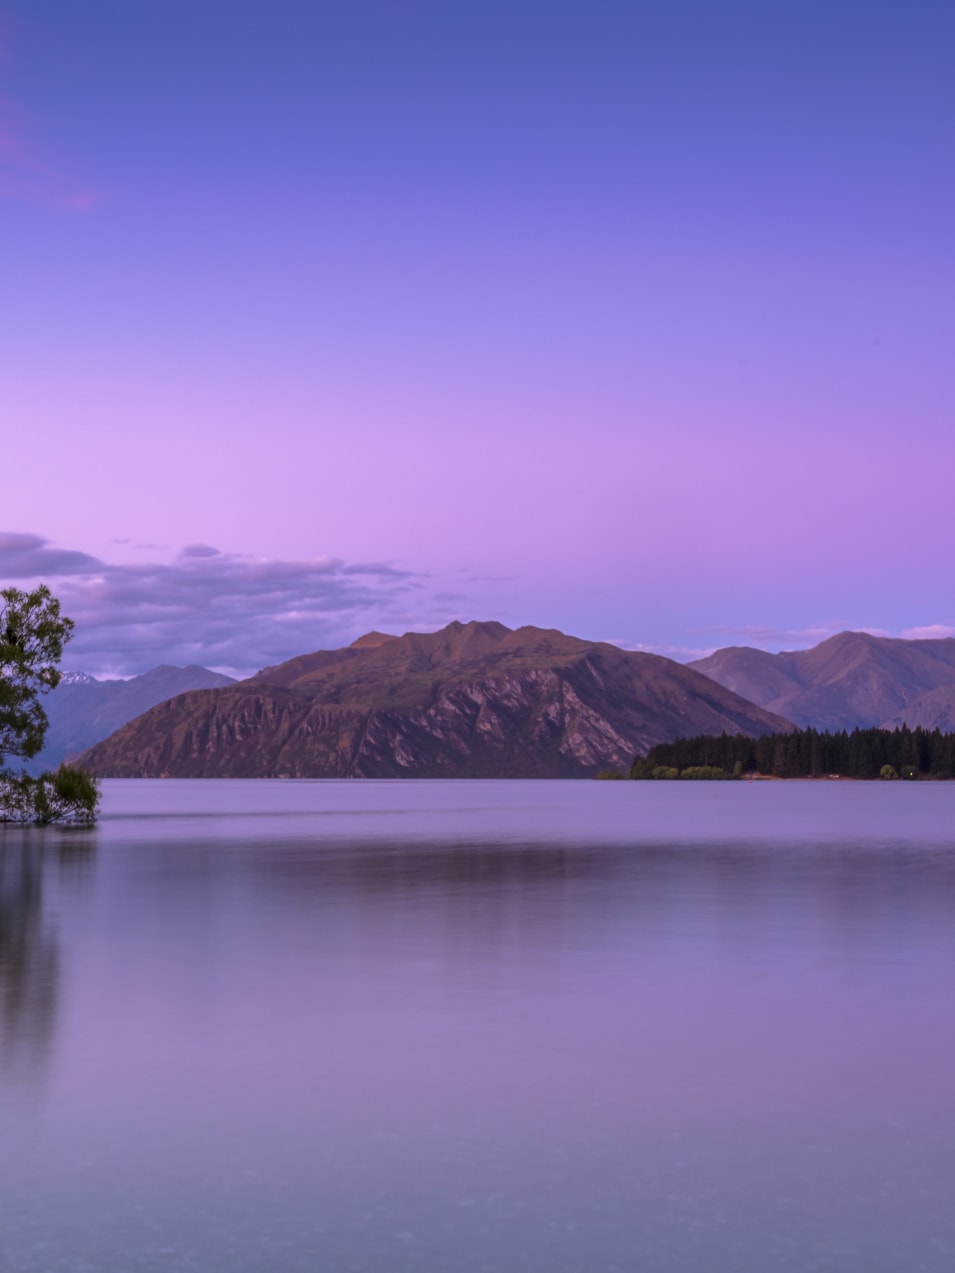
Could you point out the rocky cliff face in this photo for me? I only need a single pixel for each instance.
(474, 700)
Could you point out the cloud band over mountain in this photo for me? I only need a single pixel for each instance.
(237, 613)
(224, 610)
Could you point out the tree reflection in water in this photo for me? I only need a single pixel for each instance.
(29, 952)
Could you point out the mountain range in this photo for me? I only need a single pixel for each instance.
(851, 680)
(473, 700)
(83, 710)
(481, 700)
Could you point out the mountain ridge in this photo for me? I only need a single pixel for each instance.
(850, 680)
(82, 710)
(473, 699)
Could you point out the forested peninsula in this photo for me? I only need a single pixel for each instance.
(804, 753)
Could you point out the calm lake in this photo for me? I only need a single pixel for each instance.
(547, 1027)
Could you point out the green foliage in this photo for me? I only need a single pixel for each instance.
(32, 636)
(72, 794)
(611, 775)
(664, 772)
(705, 772)
(808, 753)
(888, 772)
(66, 795)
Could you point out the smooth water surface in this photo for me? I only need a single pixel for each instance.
(439, 1026)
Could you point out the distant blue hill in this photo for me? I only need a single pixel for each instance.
(850, 681)
(82, 710)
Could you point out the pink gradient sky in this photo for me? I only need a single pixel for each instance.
(631, 322)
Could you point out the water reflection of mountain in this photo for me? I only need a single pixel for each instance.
(854, 890)
(29, 953)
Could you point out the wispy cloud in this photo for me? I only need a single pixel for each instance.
(773, 639)
(765, 636)
(761, 636)
(931, 632)
(224, 610)
(28, 173)
(769, 638)
(679, 653)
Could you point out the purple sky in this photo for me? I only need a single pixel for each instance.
(632, 319)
